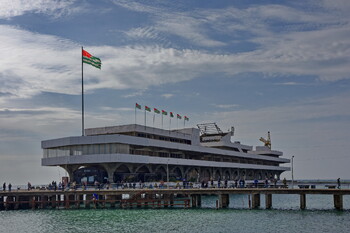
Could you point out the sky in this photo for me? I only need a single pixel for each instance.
(264, 65)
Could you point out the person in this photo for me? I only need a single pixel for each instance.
(29, 186)
(4, 187)
(266, 183)
(284, 182)
(256, 183)
(236, 183)
(338, 182)
(10, 186)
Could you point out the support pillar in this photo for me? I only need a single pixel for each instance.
(338, 201)
(255, 200)
(224, 201)
(53, 201)
(302, 201)
(88, 200)
(196, 200)
(1, 203)
(268, 201)
(171, 200)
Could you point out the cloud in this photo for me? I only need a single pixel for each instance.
(225, 106)
(56, 8)
(167, 96)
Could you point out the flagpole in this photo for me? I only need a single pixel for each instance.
(82, 93)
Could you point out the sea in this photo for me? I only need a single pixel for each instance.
(285, 216)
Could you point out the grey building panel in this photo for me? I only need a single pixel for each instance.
(127, 158)
(125, 139)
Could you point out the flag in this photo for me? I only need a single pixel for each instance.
(186, 118)
(89, 59)
(171, 114)
(138, 106)
(156, 111)
(178, 116)
(164, 112)
(147, 109)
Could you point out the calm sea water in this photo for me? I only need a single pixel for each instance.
(284, 217)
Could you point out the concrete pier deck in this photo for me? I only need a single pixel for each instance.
(154, 198)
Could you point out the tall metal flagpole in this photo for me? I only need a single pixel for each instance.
(82, 93)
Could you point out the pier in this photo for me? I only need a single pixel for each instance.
(153, 198)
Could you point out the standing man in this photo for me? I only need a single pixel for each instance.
(338, 182)
(4, 187)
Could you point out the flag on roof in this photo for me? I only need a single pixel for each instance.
(164, 112)
(147, 108)
(156, 111)
(186, 118)
(171, 114)
(89, 59)
(178, 116)
(138, 106)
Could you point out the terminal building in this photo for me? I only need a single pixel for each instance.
(133, 153)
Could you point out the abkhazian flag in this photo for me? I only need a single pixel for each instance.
(171, 114)
(186, 118)
(156, 111)
(138, 106)
(164, 112)
(147, 108)
(178, 116)
(89, 59)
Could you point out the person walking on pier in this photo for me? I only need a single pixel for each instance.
(4, 187)
(338, 182)
(10, 186)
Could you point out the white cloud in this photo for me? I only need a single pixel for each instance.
(167, 96)
(56, 8)
(225, 106)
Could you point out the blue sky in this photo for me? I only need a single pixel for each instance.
(279, 66)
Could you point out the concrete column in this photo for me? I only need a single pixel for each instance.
(171, 200)
(2, 203)
(268, 201)
(53, 201)
(88, 200)
(16, 206)
(196, 200)
(224, 201)
(338, 202)
(255, 200)
(44, 201)
(302, 201)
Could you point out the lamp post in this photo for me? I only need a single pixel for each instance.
(292, 172)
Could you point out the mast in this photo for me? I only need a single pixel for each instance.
(82, 93)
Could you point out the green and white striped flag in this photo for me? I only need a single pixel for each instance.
(89, 59)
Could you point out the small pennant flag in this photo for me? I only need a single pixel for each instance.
(147, 109)
(164, 112)
(89, 59)
(156, 111)
(138, 106)
(186, 118)
(171, 114)
(178, 116)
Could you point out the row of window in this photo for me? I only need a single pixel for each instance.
(113, 148)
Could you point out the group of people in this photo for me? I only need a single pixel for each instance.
(4, 187)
